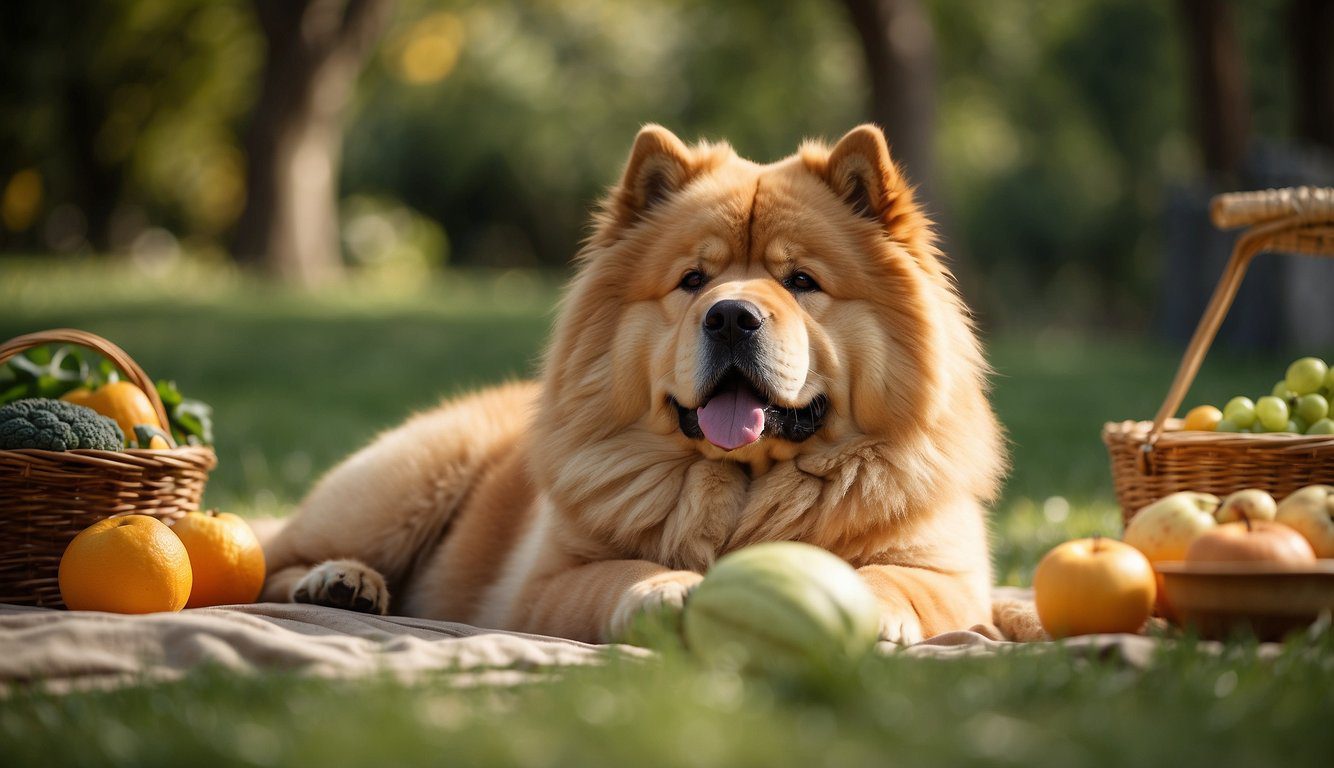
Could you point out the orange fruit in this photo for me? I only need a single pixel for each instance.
(1202, 418)
(120, 400)
(227, 559)
(130, 564)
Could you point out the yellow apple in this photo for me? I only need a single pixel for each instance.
(1164, 529)
(1310, 512)
(1089, 586)
(1251, 504)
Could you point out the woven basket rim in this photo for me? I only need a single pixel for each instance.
(128, 459)
(122, 451)
(1174, 436)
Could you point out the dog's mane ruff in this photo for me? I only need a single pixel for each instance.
(620, 481)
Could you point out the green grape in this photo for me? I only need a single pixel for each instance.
(1299, 425)
(1227, 425)
(1240, 411)
(1306, 375)
(1311, 408)
(1272, 413)
(1322, 427)
(1281, 390)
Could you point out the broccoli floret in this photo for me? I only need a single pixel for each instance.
(55, 425)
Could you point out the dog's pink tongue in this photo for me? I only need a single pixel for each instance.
(732, 419)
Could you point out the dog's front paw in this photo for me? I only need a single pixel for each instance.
(346, 584)
(900, 626)
(650, 611)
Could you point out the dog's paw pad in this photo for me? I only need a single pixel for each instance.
(345, 584)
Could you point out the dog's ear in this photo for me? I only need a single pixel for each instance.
(859, 170)
(659, 166)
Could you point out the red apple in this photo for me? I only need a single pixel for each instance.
(1089, 586)
(1247, 541)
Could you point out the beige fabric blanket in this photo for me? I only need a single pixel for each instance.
(64, 650)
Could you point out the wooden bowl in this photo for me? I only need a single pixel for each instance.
(1269, 599)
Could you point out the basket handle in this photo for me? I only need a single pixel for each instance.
(118, 357)
(1302, 204)
(1279, 217)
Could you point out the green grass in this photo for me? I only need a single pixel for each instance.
(298, 380)
(1023, 708)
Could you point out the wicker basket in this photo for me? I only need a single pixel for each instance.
(46, 497)
(1153, 459)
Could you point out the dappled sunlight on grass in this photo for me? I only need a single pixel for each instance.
(50, 285)
(1023, 529)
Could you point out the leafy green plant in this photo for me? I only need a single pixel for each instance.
(52, 371)
(191, 420)
(43, 372)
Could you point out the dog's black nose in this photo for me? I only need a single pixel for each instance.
(732, 321)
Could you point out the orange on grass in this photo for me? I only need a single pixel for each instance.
(228, 561)
(130, 564)
(1202, 418)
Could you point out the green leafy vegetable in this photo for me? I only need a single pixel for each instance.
(40, 372)
(51, 371)
(191, 420)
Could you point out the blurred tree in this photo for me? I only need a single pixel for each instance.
(485, 128)
(122, 109)
(315, 51)
(1055, 135)
(1311, 25)
(505, 120)
(898, 47)
(1222, 101)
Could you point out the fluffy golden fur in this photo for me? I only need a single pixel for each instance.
(569, 506)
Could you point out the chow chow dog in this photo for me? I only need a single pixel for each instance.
(746, 353)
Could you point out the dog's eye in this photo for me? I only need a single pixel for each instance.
(800, 282)
(692, 281)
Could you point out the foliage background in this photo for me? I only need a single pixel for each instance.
(481, 132)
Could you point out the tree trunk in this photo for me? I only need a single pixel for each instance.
(898, 45)
(1312, 30)
(316, 49)
(97, 183)
(1223, 107)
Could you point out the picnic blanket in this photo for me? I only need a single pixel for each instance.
(64, 650)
